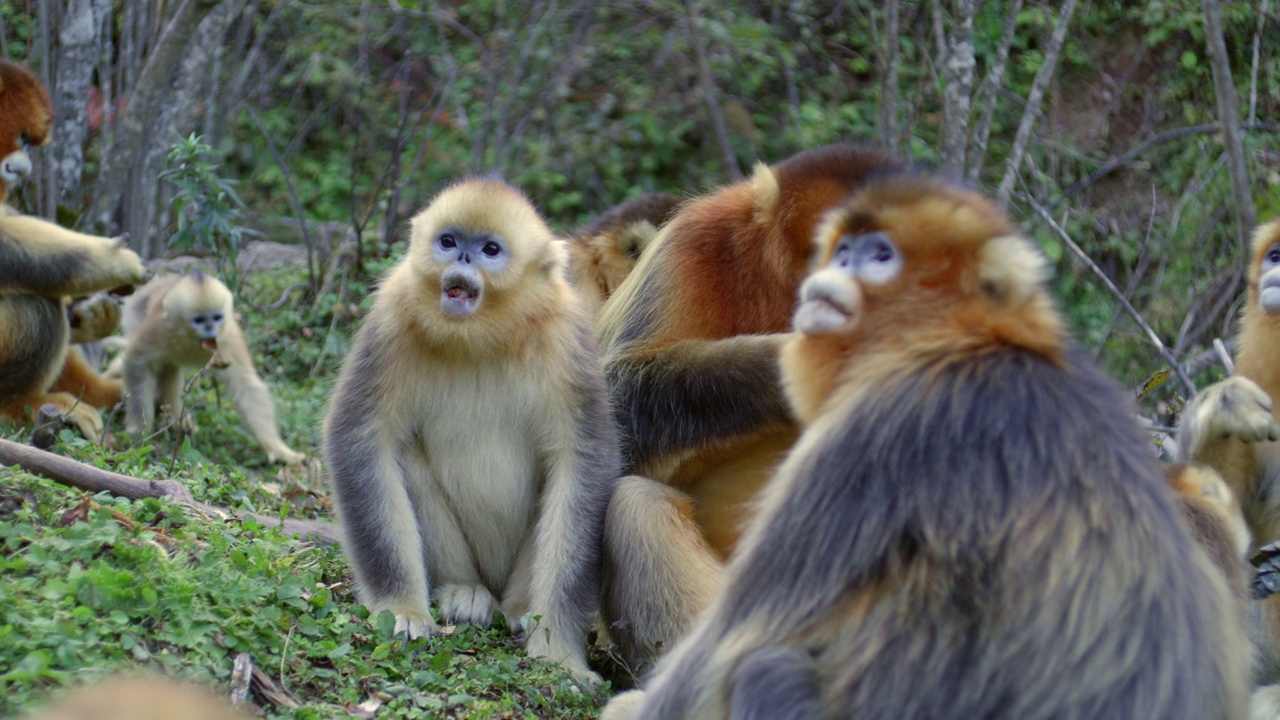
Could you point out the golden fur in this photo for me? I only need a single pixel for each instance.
(42, 264)
(471, 453)
(971, 523)
(691, 339)
(1230, 426)
(161, 341)
(603, 253)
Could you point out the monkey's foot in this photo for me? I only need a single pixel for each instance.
(623, 706)
(472, 604)
(93, 317)
(574, 660)
(415, 625)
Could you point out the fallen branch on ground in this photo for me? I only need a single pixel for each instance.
(91, 479)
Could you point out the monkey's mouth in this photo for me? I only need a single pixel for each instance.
(210, 344)
(459, 297)
(1269, 296)
(823, 312)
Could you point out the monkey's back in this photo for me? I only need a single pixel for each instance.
(986, 539)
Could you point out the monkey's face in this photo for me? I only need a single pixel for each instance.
(1268, 268)
(25, 116)
(831, 299)
(16, 166)
(465, 259)
(207, 326)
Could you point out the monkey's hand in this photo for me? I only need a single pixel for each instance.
(118, 267)
(286, 455)
(93, 318)
(415, 625)
(87, 421)
(1234, 408)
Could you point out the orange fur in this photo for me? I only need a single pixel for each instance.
(40, 264)
(708, 305)
(603, 253)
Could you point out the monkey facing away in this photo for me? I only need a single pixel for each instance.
(41, 264)
(182, 321)
(469, 439)
(691, 343)
(971, 525)
(603, 252)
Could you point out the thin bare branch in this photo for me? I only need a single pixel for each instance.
(1115, 292)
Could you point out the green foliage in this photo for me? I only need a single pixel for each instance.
(96, 585)
(206, 208)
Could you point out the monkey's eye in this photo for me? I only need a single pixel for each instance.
(1273, 255)
(875, 258)
(448, 241)
(491, 249)
(216, 317)
(197, 319)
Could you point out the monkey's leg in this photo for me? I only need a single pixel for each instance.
(775, 683)
(569, 532)
(169, 397)
(659, 571)
(82, 381)
(140, 397)
(85, 417)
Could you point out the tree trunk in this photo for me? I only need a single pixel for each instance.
(957, 72)
(78, 44)
(994, 81)
(889, 130)
(711, 94)
(1224, 90)
(1033, 102)
(177, 117)
(122, 164)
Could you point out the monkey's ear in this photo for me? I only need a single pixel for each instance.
(1011, 270)
(764, 186)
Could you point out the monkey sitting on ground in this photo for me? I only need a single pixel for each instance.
(603, 252)
(691, 342)
(42, 264)
(180, 321)
(1231, 427)
(971, 525)
(469, 438)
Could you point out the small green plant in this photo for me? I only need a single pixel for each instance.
(206, 209)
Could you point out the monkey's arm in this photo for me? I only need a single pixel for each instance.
(382, 536)
(251, 397)
(695, 392)
(40, 258)
(583, 469)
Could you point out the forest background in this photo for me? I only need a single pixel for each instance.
(1137, 142)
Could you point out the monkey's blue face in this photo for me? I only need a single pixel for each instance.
(1269, 281)
(207, 325)
(831, 299)
(467, 257)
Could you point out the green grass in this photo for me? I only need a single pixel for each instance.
(93, 585)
